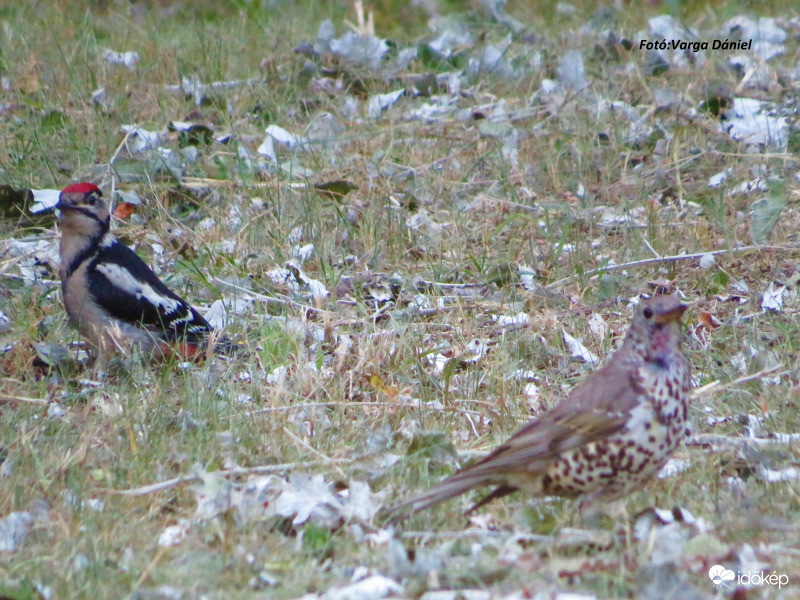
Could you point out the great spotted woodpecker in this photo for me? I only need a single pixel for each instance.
(111, 295)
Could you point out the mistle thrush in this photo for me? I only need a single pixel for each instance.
(608, 437)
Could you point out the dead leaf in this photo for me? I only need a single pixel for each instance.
(124, 210)
(708, 321)
(335, 190)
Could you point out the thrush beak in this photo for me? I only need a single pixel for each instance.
(672, 314)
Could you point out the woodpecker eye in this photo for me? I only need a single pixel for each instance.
(648, 313)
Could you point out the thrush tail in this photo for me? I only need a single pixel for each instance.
(449, 488)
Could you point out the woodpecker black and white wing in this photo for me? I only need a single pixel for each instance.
(113, 297)
(126, 288)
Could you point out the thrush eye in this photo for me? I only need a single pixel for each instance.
(648, 313)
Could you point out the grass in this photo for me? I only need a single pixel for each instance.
(145, 424)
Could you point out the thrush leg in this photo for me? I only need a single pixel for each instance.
(596, 515)
(607, 516)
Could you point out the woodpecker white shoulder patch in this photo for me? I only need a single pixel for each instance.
(122, 279)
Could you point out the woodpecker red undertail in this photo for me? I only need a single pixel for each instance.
(112, 296)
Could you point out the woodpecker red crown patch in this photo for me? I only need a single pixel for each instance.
(81, 188)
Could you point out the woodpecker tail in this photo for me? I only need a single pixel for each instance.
(226, 346)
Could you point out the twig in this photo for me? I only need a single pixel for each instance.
(457, 286)
(251, 294)
(150, 567)
(235, 472)
(472, 425)
(664, 259)
(110, 168)
(752, 315)
(471, 401)
(705, 389)
(407, 406)
(22, 400)
(433, 535)
(717, 386)
(120, 147)
(765, 156)
(522, 207)
(207, 181)
(275, 409)
(153, 487)
(279, 299)
(714, 439)
(412, 311)
(217, 85)
(649, 247)
(327, 459)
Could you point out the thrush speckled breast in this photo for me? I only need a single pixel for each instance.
(608, 437)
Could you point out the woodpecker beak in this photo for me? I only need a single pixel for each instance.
(65, 202)
(670, 314)
(72, 203)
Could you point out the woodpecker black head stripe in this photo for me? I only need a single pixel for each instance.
(91, 249)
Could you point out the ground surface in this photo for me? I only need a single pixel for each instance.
(404, 272)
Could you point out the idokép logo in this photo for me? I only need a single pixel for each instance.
(720, 576)
(725, 578)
